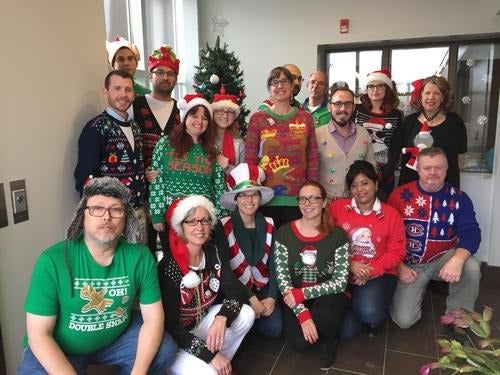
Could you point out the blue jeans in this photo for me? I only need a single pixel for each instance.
(120, 353)
(272, 325)
(369, 304)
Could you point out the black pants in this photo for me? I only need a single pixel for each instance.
(281, 214)
(152, 235)
(327, 313)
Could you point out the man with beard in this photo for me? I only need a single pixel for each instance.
(111, 144)
(80, 303)
(317, 101)
(341, 142)
(157, 114)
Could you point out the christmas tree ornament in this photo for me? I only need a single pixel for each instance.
(482, 120)
(214, 79)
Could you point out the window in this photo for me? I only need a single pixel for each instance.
(471, 65)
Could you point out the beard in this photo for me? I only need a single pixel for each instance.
(163, 90)
(342, 121)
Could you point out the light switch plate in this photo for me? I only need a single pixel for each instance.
(19, 200)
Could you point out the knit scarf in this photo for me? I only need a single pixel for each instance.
(228, 147)
(239, 239)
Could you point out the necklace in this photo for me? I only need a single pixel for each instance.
(430, 117)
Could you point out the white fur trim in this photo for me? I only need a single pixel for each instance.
(184, 106)
(379, 77)
(190, 280)
(185, 205)
(226, 104)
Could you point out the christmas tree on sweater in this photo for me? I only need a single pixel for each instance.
(218, 67)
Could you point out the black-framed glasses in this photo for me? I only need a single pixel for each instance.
(339, 105)
(378, 86)
(99, 211)
(195, 222)
(312, 199)
(276, 82)
(245, 196)
(163, 73)
(225, 112)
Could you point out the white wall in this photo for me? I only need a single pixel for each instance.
(265, 34)
(53, 67)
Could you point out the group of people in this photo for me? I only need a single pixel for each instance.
(298, 229)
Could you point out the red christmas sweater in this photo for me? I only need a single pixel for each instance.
(376, 238)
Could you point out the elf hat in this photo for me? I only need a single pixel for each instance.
(222, 100)
(117, 44)
(245, 178)
(190, 101)
(175, 215)
(164, 56)
(383, 76)
(109, 187)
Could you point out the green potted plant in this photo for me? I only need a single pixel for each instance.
(468, 355)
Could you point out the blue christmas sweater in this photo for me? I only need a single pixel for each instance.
(435, 222)
(104, 150)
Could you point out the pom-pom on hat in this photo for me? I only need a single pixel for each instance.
(222, 100)
(245, 178)
(164, 56)
(109, 187)
(383, 76)
(424, 129)
(377, 123)
(117, 44)
(190, 101)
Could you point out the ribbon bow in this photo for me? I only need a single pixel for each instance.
(415, 94)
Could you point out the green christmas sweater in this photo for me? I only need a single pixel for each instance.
(181, 177)
(310, 267)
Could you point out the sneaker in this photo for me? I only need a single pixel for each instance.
(328, 355)
(373, 330)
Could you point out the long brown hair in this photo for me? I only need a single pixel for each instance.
(388, 104)
(182, 142)
(443, 87)
(326, 226)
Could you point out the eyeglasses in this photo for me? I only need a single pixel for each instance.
(338, 105)
(163, 73)
(251, 196)
(312, 199)
(98, 211)
(378, 86)
(195, 222)
(276, 82)
(226, 112)
(299, 78)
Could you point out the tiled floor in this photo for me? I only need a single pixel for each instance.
(393, 352)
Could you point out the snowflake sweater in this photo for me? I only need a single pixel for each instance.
(104, 150)
(435, 222)
(284, 146)
(329, 272)
(181, 177)
(218, 283)
(377, 239)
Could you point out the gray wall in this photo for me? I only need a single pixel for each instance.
(53, 66)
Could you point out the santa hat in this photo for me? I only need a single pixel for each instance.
(222, 100)
(378, 122)
(175, 215)
(164, 56)
(117, 44)
(190, 101)
(308, 249)
(424, 129)
(383, 76)
(245, 178)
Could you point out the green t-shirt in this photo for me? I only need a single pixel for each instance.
(92, 302)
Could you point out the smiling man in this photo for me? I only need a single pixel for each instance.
(82, 291)
(111, 143)
(442, 235)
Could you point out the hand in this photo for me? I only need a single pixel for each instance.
(309, 331)
(360, 270)
(257, 306)
(216, 332)
(221, 364)
(150, 174)
(160, 227)
(359, 280)
(269, 305)
(407, 275)
(288, 299)
(452, 270)
(222, 161)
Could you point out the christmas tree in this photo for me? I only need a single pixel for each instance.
(218, 66)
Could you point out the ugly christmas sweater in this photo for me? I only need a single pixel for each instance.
(104, 150)
(181, 177)
(185, 307)
(327, 274)
(435, 222)
(284, 146)
(376, 238)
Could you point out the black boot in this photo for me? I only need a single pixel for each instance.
(328, 354)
